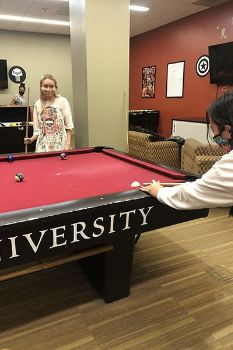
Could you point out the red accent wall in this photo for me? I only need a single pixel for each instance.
(183, 40)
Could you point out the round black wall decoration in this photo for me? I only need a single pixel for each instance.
(17, 74)
(203, 66)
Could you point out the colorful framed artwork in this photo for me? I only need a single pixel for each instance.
(148, 81)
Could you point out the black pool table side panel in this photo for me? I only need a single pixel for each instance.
(85, 210)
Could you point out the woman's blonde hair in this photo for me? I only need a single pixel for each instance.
(49, 76)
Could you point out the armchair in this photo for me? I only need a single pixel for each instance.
(160, 152)
(197, 158)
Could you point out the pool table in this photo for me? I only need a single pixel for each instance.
(81, 203)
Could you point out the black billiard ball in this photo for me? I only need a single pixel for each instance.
(19, 177)
(10, 158)
(63, 156)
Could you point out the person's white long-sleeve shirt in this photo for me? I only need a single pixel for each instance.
(214, 189)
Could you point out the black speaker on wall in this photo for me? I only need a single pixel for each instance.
(3, 74)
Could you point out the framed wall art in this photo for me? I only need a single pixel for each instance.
(148, 81)
(175, 79)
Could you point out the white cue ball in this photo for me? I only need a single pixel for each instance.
(135, 184)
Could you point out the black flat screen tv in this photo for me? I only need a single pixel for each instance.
(3, 74)
(221, 63)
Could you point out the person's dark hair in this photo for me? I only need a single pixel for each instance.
(221, 112)
(22, 85)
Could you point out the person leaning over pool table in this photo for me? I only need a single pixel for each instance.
(215, 187)
(52, 119)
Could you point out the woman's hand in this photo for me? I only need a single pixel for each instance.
(152, 189)
(68, 146)
(27, 140)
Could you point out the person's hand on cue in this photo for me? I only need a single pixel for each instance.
(27, 141)
(152, 188)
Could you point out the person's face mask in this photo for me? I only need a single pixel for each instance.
(21, 91)
(221, 135)
(47, 93)
(220, 140)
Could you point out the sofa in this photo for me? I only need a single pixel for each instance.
(141, 145)
(197, 157)
(193, 157)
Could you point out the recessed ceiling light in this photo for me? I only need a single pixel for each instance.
(138, 8)
(33, 20)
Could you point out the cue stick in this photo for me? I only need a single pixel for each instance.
(166, 184)
(27, 121)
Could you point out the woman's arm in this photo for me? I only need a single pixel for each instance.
(68, 141)
(36, 131)
(214, 189)
(29, 140)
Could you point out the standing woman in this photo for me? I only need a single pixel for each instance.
(52, 119)
(215, 188)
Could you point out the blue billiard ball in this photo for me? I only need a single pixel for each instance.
(10, 159)
(63, 156)
(19, 177)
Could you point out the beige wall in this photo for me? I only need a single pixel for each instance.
(100, 64)
(38, 54)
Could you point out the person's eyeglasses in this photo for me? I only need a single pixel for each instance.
(220, 140)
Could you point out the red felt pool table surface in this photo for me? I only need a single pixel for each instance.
(49, 180)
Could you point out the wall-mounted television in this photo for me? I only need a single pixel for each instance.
(3, 74)
(221, 63)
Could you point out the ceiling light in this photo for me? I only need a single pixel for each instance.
(138, 8)
(33, 20)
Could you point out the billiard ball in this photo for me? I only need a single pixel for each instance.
(19, 177)
(63, 156)
(135, 184)
(10, 158)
